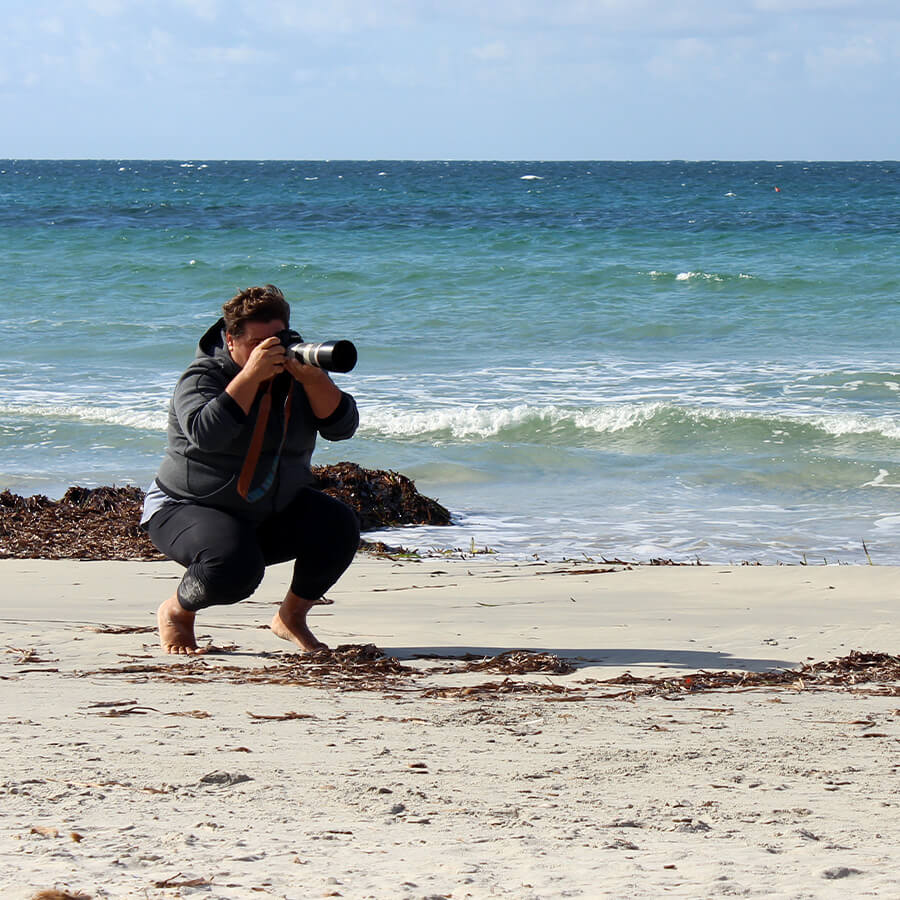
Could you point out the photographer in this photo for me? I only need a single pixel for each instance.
(233, 493)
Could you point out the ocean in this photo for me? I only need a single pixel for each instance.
(677, 360)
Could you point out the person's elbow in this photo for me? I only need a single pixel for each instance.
(215, 425)
(341, 425)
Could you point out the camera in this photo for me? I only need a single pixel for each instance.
(333, 356)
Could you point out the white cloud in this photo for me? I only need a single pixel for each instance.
(814, 6)
(208, 10)
(678, 57)
(337, 17)
(232, 56)
(493, 52)
(52, 25)
(833, 63)
(106, 7)
(159, 51)
(89, 59)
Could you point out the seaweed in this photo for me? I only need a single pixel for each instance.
(103, 523)
(354, 667)
(381, 499)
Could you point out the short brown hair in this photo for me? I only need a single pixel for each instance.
(255, 304)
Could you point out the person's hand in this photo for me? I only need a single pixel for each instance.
(267, 359)
(306, 375)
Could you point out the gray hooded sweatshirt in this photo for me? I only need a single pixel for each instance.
(209, 435)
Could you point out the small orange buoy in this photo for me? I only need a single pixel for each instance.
(777, 189)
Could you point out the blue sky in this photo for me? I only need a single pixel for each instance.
(450, 79)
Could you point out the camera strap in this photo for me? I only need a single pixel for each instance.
(256, 441)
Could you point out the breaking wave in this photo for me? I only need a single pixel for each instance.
(653, 422)
(147, 420)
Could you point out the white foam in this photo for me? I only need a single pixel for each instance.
(879, 480)
(466, 422)
(457, 422)
(692, 276)
(854, 423)
(620, 417)
(149, 420)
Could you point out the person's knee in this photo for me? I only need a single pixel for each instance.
(346, 530)
(351, 525)
(220, 582)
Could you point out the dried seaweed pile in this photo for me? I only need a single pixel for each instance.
(857, 668)
(381, 499)
(366, 668)
(85, 524)
(103, 523)
(510, 662)
(351, 667)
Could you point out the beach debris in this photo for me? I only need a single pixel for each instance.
(521, 662)
(224, 779)
(381, 498)
(103, 523)
(99, 523)
(671, 562)
(284, 717)
(28, 656)
(857, 668)
(364, 667)
(127, 711)
(121, 629)
(184, 882)
(840, 872)
(103, 704)
(45, 831)
(55, 894)
(165, 789)
(492, 689)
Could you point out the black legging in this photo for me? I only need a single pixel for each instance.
(226, 556)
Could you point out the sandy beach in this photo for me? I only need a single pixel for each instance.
(426, 773)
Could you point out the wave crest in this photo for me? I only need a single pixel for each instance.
(652, 421)
(146, 420)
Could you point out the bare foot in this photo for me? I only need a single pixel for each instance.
(176, 628)
(289, 623)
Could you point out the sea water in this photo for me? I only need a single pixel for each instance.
(686, 360)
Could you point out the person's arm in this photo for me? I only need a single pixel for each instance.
(208, 416)
(323, 394)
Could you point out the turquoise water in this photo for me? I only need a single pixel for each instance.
(611, 359)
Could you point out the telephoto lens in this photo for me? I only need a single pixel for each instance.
(333, 356)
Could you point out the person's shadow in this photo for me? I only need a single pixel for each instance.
(618, 658)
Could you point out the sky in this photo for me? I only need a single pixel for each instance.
(450, 79)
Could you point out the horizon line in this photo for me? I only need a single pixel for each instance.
(386, 159)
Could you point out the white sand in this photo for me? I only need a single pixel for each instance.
(373, 794)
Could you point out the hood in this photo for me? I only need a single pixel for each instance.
(212, 346)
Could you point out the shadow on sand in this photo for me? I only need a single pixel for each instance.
(630, 658)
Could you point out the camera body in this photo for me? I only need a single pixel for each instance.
(333, 356)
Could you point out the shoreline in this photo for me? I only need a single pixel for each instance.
(256, 770)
